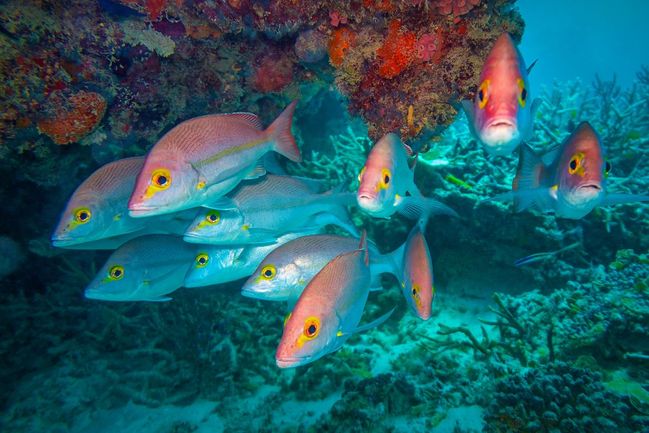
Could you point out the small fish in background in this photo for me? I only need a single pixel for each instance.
(387, 184)
(204, 158)
(328, 311)
(144, 269)
(285, 272)
(502, 115)
(215, 264)
(96, 216)
(417, 282)
(569, 180)
(262, 210)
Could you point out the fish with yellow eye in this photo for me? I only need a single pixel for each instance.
(417, 282)
(387, 184)
(502, 114)
(147, 268)
(96, 216)
(284, 273)
(328, 311)
(569, 180)
(261, 210)
(204, 158)
(217, 264)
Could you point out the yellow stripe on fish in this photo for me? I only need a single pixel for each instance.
(227, 152)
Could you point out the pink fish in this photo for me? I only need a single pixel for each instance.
(96, 216)
(417, 281)
(328, 311)
(569, 180)
(502, 114)
(387, 184)
(204, 158)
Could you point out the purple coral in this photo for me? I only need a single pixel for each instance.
(428, 46)
(455, 7)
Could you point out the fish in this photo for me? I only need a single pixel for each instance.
(328, 311)
(569, 180)
(387, 185)
(206, 157)
(262, 210)
(501, 116)
(417, 282)
(96, 215)
(147, 268)
(284, 273)
(217, 264)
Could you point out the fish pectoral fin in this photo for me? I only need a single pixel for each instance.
(612, 199)
(221, 203)
(374, 323)
(257, 171)
(420, 207)
(262, 236)
(530, 67)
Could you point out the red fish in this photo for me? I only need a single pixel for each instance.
(569, 180)
(502, 114)
(204, 158)
(417, 281)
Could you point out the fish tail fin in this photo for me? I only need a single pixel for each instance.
(280, 133)
(374, 323)
(529, 175)
(337, 216)
(395, 259)
(467, 106)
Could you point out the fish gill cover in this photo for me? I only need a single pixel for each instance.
(538, 323)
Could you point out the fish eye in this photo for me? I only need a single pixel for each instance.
(607, 167)
(161, 178)
(360, 175)
(311, 327)
(483, 94)
(575, 163)
(82, 215)
(385, 178)
(268, 272)
(116, 272)
(201, 260)
(213, 217)
(522, 92)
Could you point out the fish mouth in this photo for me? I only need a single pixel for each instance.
(501, 123)
(137, 211)
(290, 361)
(61, 241)
(367, 201)
(591, 186)
(194, 238)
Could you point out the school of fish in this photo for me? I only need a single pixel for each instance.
(207, 206)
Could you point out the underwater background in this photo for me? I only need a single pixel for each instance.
(557, 344)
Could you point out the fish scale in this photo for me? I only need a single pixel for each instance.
(116, 177)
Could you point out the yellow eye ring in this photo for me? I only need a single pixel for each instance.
(574, 166)
(522, 92)
(202, 260)
(386, 177)
(268, 272)
(82, 215)
(360, 175)
(213, 217)
(483, 94)
(415, 291)
(311, 328)
(161, 178)
(116, 272)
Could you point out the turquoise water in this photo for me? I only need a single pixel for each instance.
(488, 298)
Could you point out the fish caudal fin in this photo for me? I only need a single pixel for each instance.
(363, 246)
(336, 216)
(527, 184)
(467, 106)
(282, 137)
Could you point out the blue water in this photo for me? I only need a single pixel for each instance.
(581, 39)
(498, 318)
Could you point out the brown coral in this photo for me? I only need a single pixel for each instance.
(68, 126)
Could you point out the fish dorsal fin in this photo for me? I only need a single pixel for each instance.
(551, 155)
(529, 173)
(529, 68)
(249, 118)
(408, 149)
